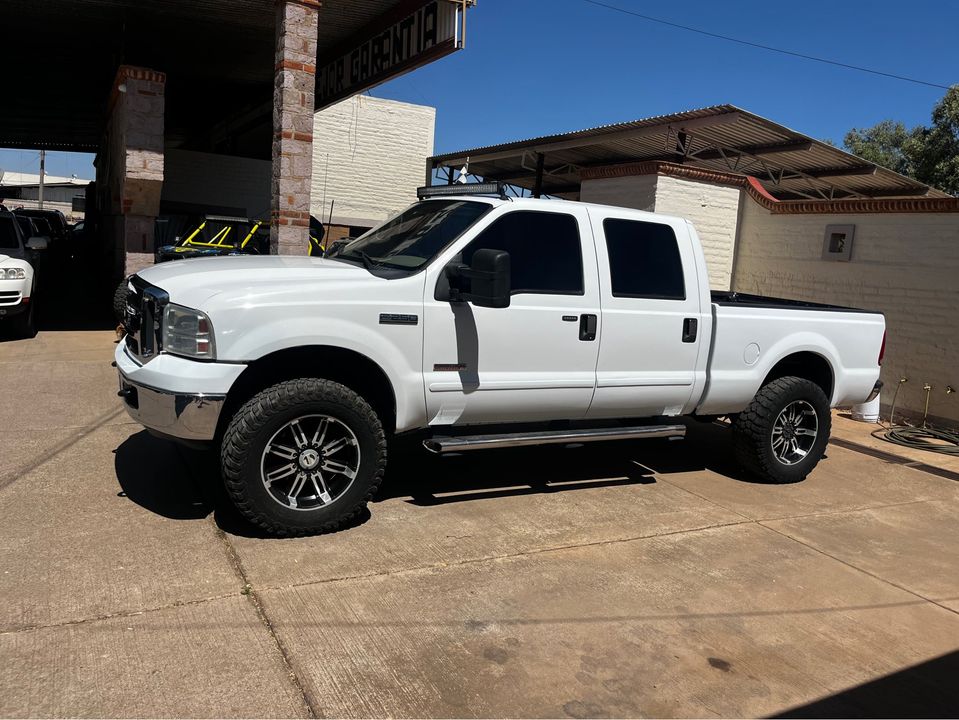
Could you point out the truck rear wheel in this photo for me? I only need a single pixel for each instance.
(783, 433)
(303, 456)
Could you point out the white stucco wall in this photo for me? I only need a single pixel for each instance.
(906, 265)
(635, 191)
(369, 156)
(713, 210)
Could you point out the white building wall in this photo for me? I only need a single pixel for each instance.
(906, 265)
(369, 156)
(713, 210)
(634, 191)
(225, 181)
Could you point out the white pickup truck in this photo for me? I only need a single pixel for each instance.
(479, 322)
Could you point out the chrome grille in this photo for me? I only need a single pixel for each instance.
(143, 318)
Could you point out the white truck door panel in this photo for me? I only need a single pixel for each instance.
(525, 362)
(653, 322)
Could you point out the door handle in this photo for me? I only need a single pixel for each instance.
(587, 327)
(690, 326)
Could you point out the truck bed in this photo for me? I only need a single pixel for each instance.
(751, 334)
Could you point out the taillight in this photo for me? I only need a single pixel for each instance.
(882, 348)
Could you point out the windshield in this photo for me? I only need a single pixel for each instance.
(417, 235)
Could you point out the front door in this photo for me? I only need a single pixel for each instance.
(536, 359)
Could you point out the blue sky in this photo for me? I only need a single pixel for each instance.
(534, 67)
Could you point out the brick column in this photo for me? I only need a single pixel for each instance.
(293, 104)
(130, 166)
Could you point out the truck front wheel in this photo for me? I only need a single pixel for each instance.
(303, 456)
(783, 433)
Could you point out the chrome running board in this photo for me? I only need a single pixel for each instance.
(440, 445)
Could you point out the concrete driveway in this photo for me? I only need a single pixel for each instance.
(636, 579)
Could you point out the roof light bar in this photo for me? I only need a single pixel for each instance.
(485, 188)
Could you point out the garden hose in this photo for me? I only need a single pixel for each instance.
(919, 438)
(945, 442)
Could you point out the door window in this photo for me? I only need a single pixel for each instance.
(545, 252)
(644, 260)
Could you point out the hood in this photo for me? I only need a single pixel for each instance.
(13, 258)
(193, 282)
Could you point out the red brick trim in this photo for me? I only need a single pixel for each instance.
(308, 4)
(293, 135)
(292, 65)
(131, 72)
(757, 192)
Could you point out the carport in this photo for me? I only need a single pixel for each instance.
(132, 79)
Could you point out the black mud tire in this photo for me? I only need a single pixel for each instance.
(259, 418)
(752, 430)
(24, 325)
(120, 301)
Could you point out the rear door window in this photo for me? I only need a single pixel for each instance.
(644, 260)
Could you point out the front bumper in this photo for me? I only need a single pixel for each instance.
(174, 396)
(184, 416)
(11, 310)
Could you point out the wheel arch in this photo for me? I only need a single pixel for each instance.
(347, 367)
(807, 365)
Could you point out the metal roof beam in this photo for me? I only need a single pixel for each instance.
(757, 150)
(894, 192)
(841, 171)
(547, 146)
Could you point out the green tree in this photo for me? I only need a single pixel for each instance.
(927, 154)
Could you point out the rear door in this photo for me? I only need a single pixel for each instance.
(536, 359)
(653, 321)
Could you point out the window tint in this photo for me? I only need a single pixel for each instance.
(8, 234)
(544, 249)
(644, 260)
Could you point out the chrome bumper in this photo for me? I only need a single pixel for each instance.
(877, 388)
(189, 417)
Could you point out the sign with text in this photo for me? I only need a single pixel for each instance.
(423, 35)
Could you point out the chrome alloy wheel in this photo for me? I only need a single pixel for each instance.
(794, 432)
(310, 462)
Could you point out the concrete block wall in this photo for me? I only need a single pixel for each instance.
(634, 191)
(219, 181)
(712, 208)
(713, 211)
(904, 264)
(369, 156)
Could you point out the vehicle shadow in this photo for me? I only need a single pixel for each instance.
(928, 689)
(184, 484)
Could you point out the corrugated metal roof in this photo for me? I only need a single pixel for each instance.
(19, 179)
(724, 138)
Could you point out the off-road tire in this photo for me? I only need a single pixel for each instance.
(24, 325)
(259, 418)
(752, 430)
(120, 301)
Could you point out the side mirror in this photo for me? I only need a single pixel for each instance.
(334, 247)
(485, 283)
(37, 243)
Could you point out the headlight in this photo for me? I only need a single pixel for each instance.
(12, 274)
(188, 332)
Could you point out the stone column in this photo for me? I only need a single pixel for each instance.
(130, 166)
(293, 104)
